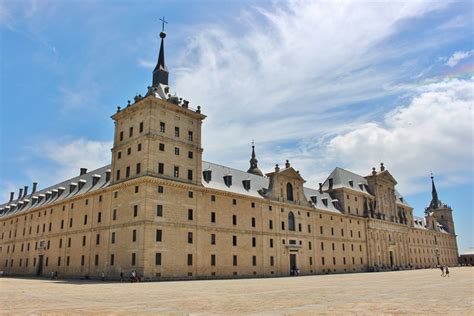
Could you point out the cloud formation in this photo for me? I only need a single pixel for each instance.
(457, 57)
(433, 132)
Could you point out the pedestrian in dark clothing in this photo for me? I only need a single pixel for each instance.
(442, 270)
(121, 276)
(447, 271)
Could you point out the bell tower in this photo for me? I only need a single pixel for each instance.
(440, 211)
(159, 134)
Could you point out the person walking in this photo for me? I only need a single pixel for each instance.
(447, 272)
(442, 270)
(121, 276)
(103, 276)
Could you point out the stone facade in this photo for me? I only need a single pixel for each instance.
(160, 210)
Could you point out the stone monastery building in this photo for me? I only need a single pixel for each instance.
(160, 210)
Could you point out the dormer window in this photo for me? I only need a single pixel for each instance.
(95, 179)
(228, 180)
(351, 183)
(361, 186)
(207, 175)
(314, 199)
(246, 184)
(72, 187)
(325, 201)
(61, 190)
(81, 183)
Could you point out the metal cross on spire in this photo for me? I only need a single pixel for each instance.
(163, 23)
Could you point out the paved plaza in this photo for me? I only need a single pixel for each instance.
(404, 292)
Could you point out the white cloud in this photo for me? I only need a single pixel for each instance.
(294, 75)
(433, 132)
(457, 57)
(65, 157)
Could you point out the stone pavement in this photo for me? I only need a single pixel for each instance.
(404, 292)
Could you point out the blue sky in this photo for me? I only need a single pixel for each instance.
(321, 83)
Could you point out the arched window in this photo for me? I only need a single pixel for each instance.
(291, 221)
(289, 192)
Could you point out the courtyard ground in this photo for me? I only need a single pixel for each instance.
(404, 292)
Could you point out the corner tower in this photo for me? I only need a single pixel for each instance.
(440, 211)
(158, 135)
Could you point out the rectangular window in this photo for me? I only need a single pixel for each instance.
(190, 136)
(70, 222)
(234, 219)
(190, 154)
(190, 237)
(141, 127)
(254, 260)
(254, 242)
(113, 238)
(213, 239)
(190, 175)
(139, 168)
(130, 132)
(270, 224)
(176, 171)
(234, 240)
(234, 260)
(161, 168)
(96, 260)
(309, 228)
(176, 151)
(162, 127)
(159, 235)
(161, 147)
(190, 194)
(253, 222)
(85, 219)
(112, 260)
(134, 258)
(190, 214)
(135, 210)
(121, 136)
(322, 246)
(114, 214)
(97, 239)
(159, 210)
(99, 217)
(84, 241)
(213, 260)
(59, 261)
(321, 230)
(69, 241)
(190, 259)
(282, 225)
(82, 260)
(310, 246)
(176, 131)
(332, 231)
(158, 259)
(160, 189)
(322, 260)
(60, 243)
(271, 242)
(119, 155)
(272, 261)
(127, 172)
(134, 235)
(213, 217)
(67, 261)
(62, 226)
(137, 189)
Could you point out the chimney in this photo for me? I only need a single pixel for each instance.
(83, 171)
(287, 164)
(374, 172)
(330, 183)
(382, 168)
(320, 187)
(12, 196)
(25, 190)
(34, 187)
(20, 194)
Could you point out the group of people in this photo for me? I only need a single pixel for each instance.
(444, 271)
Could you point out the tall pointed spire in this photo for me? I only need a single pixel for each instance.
(254, 163)
(434, 195)
(160, 73)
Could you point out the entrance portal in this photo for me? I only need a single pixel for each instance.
(39, 269)
(293, 266)
(391, 258)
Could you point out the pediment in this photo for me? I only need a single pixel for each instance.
(291, 173)
(387, 176)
